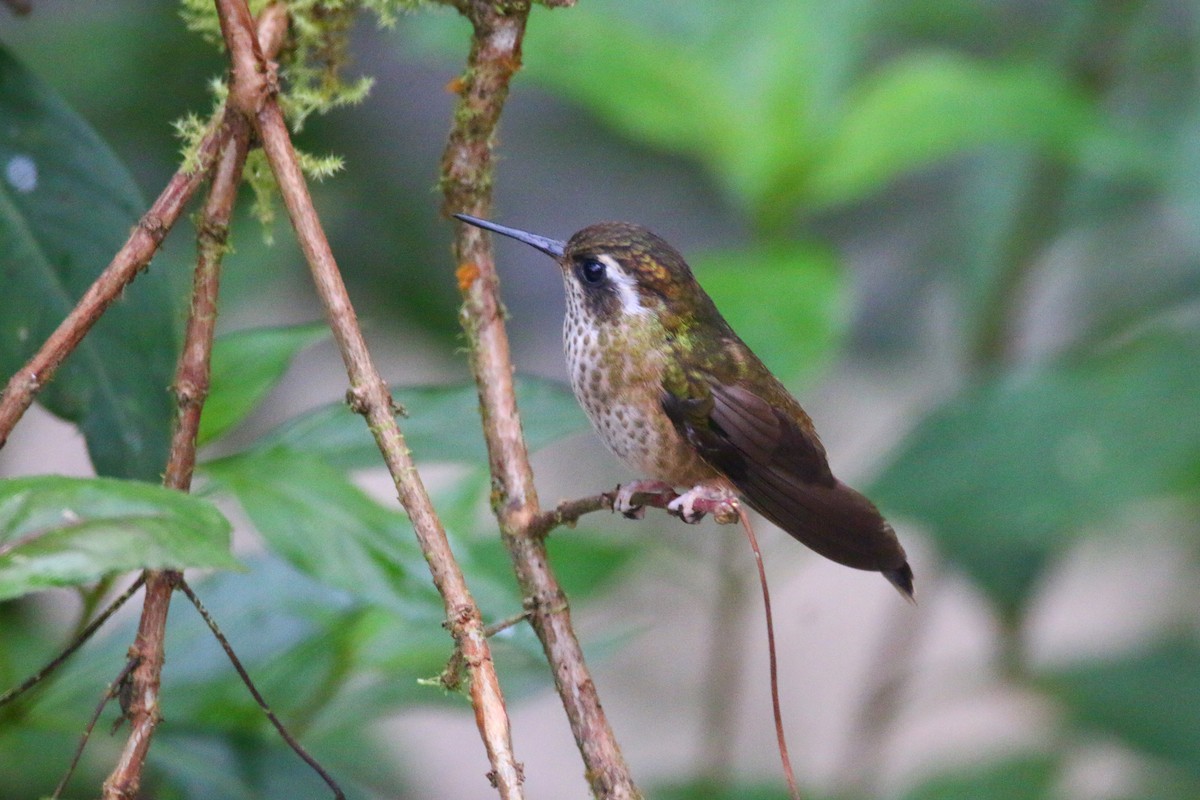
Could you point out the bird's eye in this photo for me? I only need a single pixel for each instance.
(592, 270)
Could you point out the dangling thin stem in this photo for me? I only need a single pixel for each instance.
(762, 579)
(287, 737)
(109, 694)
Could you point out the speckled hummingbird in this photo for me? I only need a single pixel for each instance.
(679, 397)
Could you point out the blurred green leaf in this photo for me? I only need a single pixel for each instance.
(754, 117)
(584, 561)
(708, 790)
(58, 531)
(245, 366)
(786, 300)
(442, 425)
(66, 207)
(1024, 778)
(658, 91)
(1148, 700)
(1005, 473)
(929, 105)
(260, 766)
(317, 519)
(793, 120)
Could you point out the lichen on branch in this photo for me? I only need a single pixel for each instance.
(312, 63)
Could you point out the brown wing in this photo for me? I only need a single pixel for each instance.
(781, 470)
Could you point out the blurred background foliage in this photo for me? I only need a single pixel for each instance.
(968, 232)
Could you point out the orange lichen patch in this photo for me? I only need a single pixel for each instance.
(456, 85)
(511, 63)
(467, 273)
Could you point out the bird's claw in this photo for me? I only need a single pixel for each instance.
(701, 499)
(623, 502)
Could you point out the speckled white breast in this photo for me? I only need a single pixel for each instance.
(617, 378)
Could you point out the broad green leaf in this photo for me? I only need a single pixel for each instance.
(66, 207)
(787, 301)
(68, 531)
(245, 366)
(1004, 474)
(442, 425)
(660, 91)
(324, 525)
(301, 642)
(1031, 777)
(754, 117)
(927, 106)
(1148, 700)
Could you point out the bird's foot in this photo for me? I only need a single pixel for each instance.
(705, 498)
(624, 501)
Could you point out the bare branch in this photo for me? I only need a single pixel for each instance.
(194, 369)
(467, 174)
(252, 91)
(191, 389)
(568, 512)
(143, 713)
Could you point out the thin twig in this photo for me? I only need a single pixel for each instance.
(297, 748)
(252, 91)
(568, 512)
(467, 176)
(788, 774)
(194, 371)
(191, 389)
(109, 694)
(76, 643)
(492, 628)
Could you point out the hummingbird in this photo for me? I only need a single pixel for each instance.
(676, 394)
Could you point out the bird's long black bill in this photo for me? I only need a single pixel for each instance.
(551, 247)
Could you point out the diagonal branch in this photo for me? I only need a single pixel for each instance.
(467, 173)
(253, 93)
(191, 388)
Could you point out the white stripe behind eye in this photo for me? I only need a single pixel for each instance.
(631, 299)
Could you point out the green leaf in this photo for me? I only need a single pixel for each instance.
(245, 366)
(585, 562)
(710, 790)
(68, 531)
(442, 425)
(754, 117)
(66, 207)
(660, 91)
(1148, 700)
(1007, 472)
(1031, 777)
(313, 516)
(786, 300)
(930, 105)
